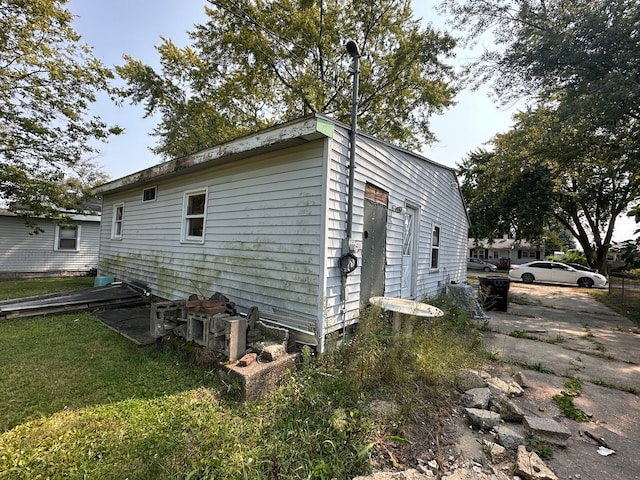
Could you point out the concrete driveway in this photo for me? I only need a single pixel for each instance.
(551, 333)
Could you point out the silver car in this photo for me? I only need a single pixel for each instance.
(477, 264)
(556, 272)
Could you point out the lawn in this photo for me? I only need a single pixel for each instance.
(80, 401)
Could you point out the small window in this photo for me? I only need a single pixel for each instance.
(117, 222)
(195, 204)
(149, 194)
(435, 247)
(67, 237)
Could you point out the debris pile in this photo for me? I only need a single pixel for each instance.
(213, 323)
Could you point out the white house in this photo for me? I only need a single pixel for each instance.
(68, 249)
(263, 220)
(505, 248)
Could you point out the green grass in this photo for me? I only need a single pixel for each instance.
(80, 401)
(628, 308)
(17, 288)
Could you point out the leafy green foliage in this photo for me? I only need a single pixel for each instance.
(254, 63)
(47, 82)
(572, 156)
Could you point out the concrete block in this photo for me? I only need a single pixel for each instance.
(228, 336)
(547, 429)
(165, 316)
(259, 378)
(198, 328)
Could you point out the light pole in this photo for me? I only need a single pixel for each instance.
(352, 50)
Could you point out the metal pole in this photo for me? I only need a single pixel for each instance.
(352, 49)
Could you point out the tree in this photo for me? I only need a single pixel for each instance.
(47, 82)
(256, 63)
(578, 64)
(544, 170)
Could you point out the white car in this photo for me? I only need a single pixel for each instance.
(556, 272)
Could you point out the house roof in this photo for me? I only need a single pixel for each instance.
(78, 217)
(296, 132)
(501, 244)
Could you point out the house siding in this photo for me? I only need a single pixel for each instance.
(410, 180)
(263, 233)
(25, 255)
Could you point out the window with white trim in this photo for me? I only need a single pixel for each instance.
(117, 223)
(149, 194)
(195, 208)
(435, 246)
(67, 237)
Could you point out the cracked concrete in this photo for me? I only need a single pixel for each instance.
(564, 332)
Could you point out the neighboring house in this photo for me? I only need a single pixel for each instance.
(262, 220)
(515, 251)
(66, 249)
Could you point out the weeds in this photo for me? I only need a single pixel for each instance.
(564, 400)
(613, 386)
(538, 367)
(542, 448)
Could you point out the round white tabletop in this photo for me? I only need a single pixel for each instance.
(407, 307)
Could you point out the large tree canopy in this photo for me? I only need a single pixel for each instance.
(544, 171)
(257, 62)
(47, 83)
(578, 64)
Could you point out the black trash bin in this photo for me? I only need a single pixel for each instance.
(494, 292)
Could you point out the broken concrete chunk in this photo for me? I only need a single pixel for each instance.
(531, 467)
(494, 450)
(477, 398)
(547, 429)
(273, 352)
(507, 409)
(411, 474)
(520, 379)
(247, 360)
(509, 438)
(482, 419)
(469, 379)
(498, 386)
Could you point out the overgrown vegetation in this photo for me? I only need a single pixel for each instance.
(82, 402)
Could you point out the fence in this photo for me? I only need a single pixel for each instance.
(625, 289)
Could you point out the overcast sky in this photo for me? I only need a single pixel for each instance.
(134, 27)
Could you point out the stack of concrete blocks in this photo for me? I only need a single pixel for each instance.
(222, 333)
(166, 317)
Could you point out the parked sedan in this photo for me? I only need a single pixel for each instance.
(477, 264)
(556, 272)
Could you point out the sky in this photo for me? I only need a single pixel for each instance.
(134, 27)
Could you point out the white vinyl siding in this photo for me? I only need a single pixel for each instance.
(22, 254)
(274, 224)
(262, 230)
(409, 179)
